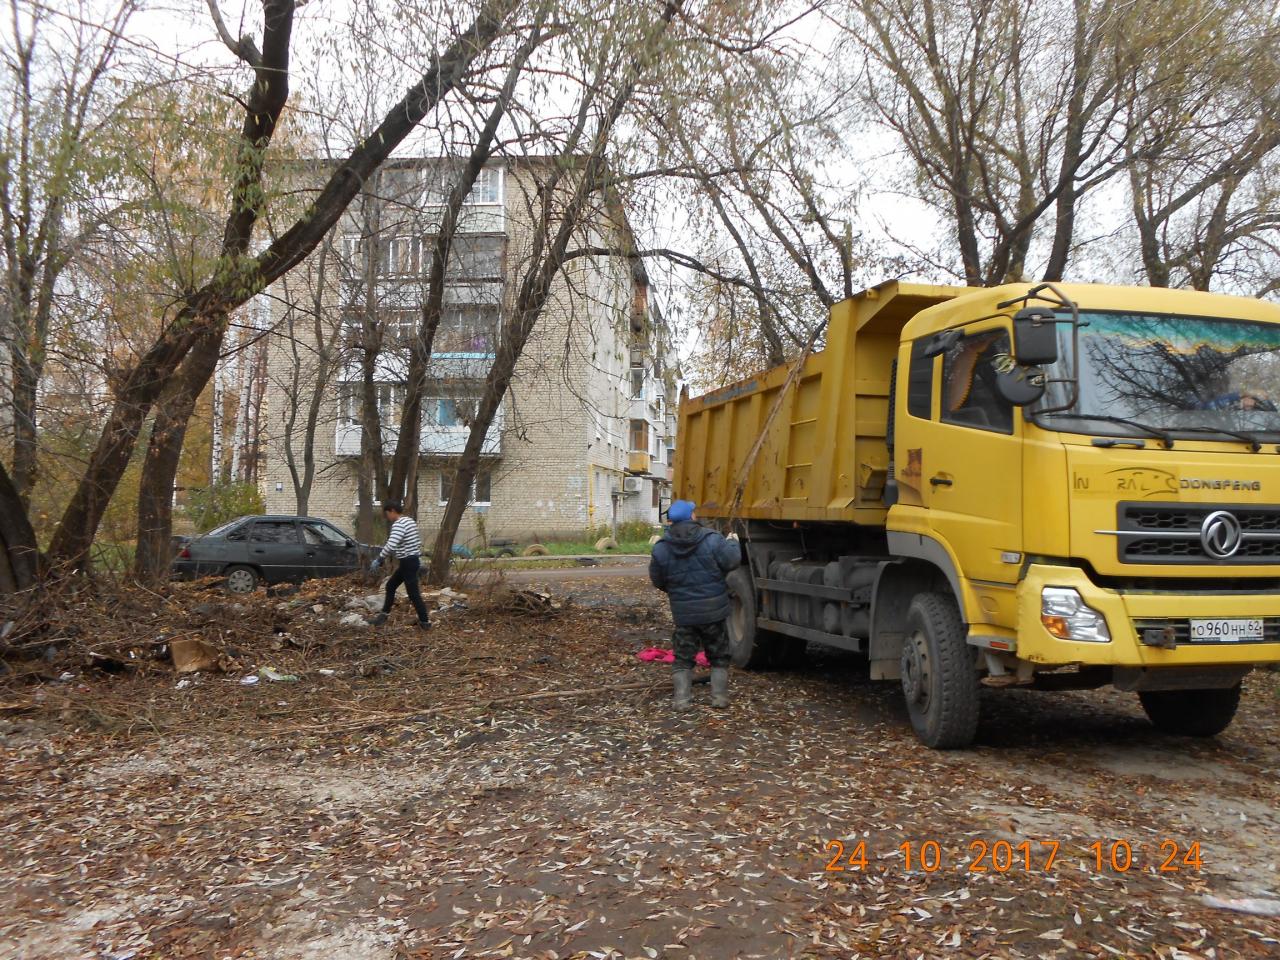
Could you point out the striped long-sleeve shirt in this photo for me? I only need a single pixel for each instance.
(404, 539)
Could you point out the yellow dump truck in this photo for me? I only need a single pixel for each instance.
(1047, 486)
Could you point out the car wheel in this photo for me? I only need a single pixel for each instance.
(1191, 713)
(939, 677)
(241, 579)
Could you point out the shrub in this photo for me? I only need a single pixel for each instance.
(215, 505)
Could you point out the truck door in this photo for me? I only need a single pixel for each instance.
(971, 458)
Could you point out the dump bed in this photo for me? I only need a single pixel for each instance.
(823, 454)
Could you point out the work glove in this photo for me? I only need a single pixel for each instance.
(377, 562)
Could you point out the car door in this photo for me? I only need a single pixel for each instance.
(330, 553)
(971, 481)
(276, 548)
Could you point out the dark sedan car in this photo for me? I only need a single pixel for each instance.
(280, 549)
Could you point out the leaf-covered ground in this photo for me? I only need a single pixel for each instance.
(514, 785)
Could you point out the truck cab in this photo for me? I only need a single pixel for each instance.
(1044, 486)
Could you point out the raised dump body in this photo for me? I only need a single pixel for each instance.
(823, 456)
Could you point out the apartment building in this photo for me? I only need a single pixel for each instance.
(585, 434)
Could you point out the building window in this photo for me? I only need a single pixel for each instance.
(476, 258)
(639, 436)
(349, 402)
(400, 326)
(657, 495)
(486, 190)
(351, 250)
(457, 412)
(480, 488)
(399, 256)
(467, 328)
(637, 383)
(390, 396)
(488, 187)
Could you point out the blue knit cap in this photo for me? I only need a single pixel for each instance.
(681, 510)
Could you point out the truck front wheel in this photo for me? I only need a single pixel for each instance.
(1191, 713)
(939, 678)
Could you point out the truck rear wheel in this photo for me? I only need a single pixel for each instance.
(1191, 713)
(750, 647)
(939, 678)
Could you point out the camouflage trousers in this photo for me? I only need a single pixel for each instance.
(704, 636)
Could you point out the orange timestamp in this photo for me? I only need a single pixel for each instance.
(1027, 856)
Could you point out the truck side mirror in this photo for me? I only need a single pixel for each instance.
(1035, 336)
(1021, 385)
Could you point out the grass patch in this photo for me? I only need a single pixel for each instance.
(569, 548)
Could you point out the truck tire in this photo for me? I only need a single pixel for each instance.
(750, 647)
(1191, 713)
(939, 678)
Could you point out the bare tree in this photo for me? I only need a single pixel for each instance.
(240, 274)
(1206, 110)
(57, 161)
(1011, 112)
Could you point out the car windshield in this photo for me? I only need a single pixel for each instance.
(1183, 376)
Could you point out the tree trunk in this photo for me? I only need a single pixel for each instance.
(25, 393)
(160, 468)
(19, 559)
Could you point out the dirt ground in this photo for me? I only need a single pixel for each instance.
(514, 785)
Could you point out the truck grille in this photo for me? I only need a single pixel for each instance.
(1174, 533)
(1182, 630)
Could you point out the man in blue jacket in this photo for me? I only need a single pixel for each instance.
(689, 565)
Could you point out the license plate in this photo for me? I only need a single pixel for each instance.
(1227, 631)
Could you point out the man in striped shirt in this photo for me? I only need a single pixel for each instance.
(404, 543)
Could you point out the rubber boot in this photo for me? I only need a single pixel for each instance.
(682, 682)
(377, 620)
(719, 687)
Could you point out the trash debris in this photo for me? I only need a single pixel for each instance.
(317, 608)
(326, 672)
(192, 654)
(606, 543)
(352, 620)
(276, 676)
(659, 655)
(183, 684)
(532, 601)
(534, 550)
(67, 676)
(1257, 906)
(370, 604)
(249, 680)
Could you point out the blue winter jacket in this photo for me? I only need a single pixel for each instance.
(689, 564)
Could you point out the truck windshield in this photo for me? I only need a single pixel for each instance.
(1195, 377)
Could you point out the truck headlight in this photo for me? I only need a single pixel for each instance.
(1065, 615)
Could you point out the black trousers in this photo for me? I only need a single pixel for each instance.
(406, 573)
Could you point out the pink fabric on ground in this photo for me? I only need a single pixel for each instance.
(659, 655)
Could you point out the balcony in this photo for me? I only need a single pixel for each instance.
(638, 461)
(436, 440)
